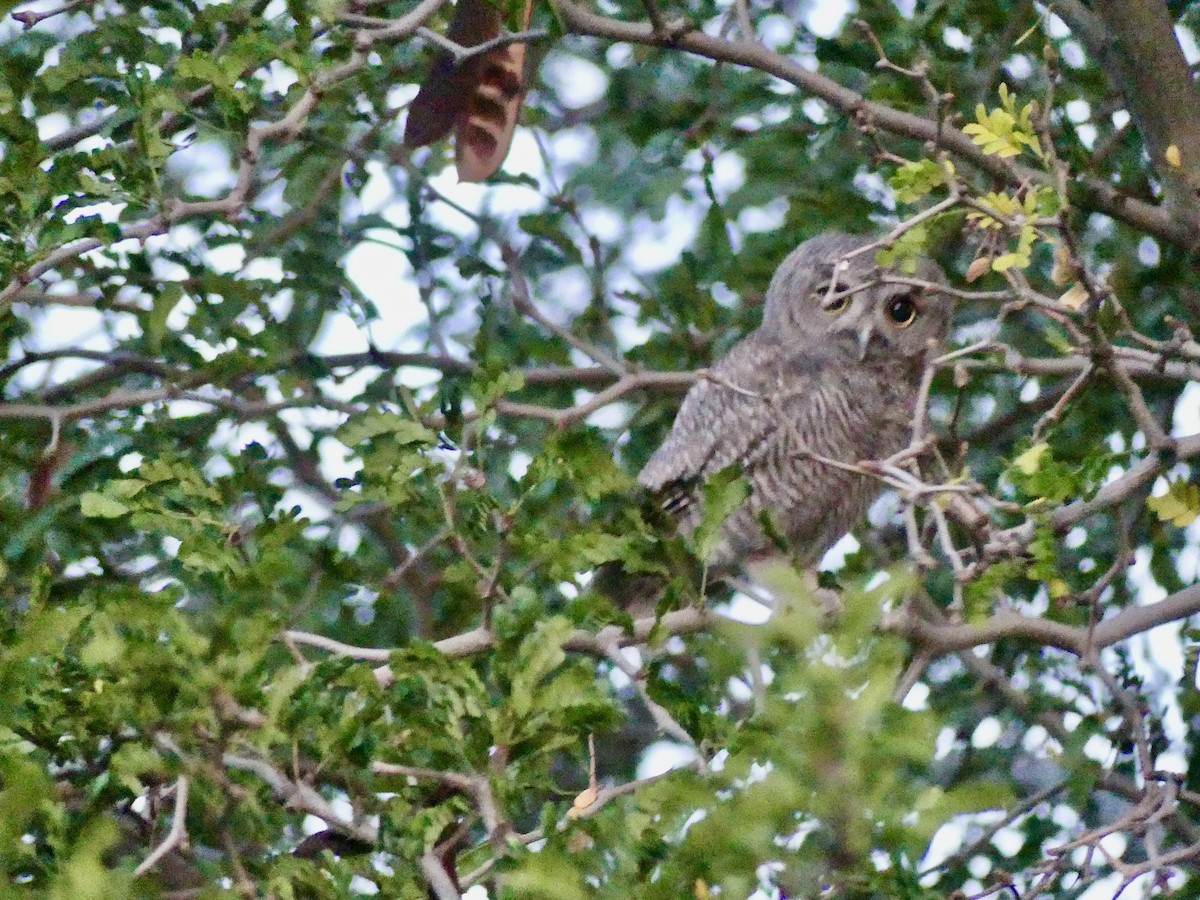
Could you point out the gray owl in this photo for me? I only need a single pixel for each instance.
(833, 371)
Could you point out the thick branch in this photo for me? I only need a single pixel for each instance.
(1097, 192)
(1134, 43)
(440, 882)
(947, 638)
(1139, 476)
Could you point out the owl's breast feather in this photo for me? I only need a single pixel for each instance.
(792, 419)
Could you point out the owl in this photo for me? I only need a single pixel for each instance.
(831, 375)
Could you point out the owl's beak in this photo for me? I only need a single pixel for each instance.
(865, 333)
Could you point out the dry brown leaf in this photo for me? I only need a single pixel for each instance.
(444, 92)
(1174, 160)
(1074, 297)
(579, 842)
(583, 800)
(1062, 271)
(978, 268)
(431, 115)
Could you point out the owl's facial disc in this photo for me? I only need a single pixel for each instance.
(881, 315)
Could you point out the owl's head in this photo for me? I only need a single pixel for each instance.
(825, 290)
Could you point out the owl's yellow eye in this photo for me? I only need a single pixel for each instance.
(836, 305)
(902, 311)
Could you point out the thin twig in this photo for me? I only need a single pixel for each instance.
(177, 837)
(462, 55)
(523, 301)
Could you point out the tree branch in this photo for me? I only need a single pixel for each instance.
(299, 796)
(1134, 43)
(1096, 192)
(177, 836)
(480, 640)
(947, 638)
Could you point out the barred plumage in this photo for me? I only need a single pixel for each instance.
(829, 377)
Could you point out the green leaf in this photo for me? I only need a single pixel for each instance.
(94, 505)
(106, 645)
(124, 488)
(132, 763)
(361, 429)
(935, 806)
(406, 431)
(1031, 460)
(1180, 505)
(722, 494)
(905, 251)
(540, 653)
(488, 391)
(155, 320)
(1004, 132)
(915, 180)
(550, 229)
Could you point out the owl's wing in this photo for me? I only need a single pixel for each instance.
(724, 419)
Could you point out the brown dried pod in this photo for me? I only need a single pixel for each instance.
(485, 125)
(479, 99)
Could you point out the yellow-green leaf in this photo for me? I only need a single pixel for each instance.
(1180, 505)
(94, 505)
(915, 180)
(1005, 132)
(1074, 297)
(1031, 460)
